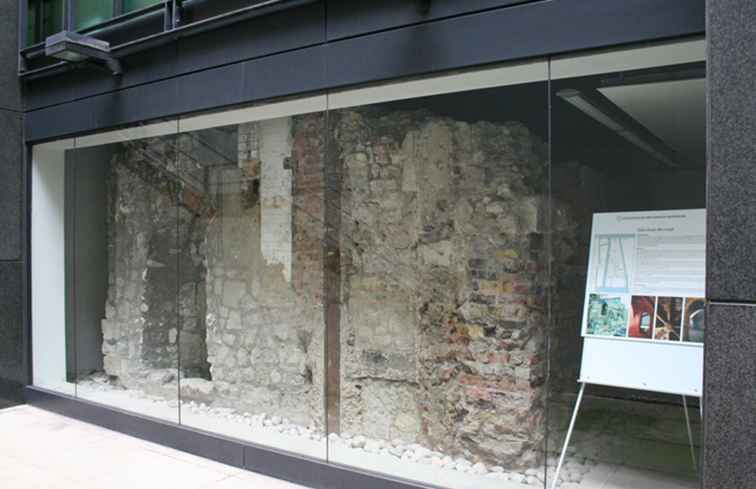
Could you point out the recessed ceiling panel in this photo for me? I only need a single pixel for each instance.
(675, 111)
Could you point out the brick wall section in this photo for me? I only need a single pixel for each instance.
(307, 164)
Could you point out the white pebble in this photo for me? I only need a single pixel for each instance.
(517, 478)
(397, 451)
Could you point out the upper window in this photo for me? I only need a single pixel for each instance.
(92, 12)
(45, 17)
(131, 5)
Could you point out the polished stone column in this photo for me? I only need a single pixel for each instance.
(13, 356)
(730, 359)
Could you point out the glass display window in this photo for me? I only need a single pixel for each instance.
(469, 280)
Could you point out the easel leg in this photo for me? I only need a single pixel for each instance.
(569, 435)
(690, 433)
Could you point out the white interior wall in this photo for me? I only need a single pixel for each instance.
(48, 267)
(275, 193)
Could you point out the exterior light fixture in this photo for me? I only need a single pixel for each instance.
(603, 110)
(76, 48)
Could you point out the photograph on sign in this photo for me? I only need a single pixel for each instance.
(695, 318)
(641, 316)
(668, 318)
(607, 315)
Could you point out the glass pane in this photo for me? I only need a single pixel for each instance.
(122, 235)
(628, 257)
(437, 214)
(92, 12)
(52, 341)
(45, 17)
(251, 282)
(131, 5)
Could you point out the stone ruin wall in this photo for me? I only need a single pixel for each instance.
(443, 322)
(443, 277)
(264, 321)
(244, 253)
(153, 239)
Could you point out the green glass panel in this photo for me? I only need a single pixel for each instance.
(92, 12)
(131, 5)
(45, 17)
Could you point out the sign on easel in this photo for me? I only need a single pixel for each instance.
(643, 317)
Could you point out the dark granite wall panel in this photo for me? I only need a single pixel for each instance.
(732, 150)
(10, 185)
(730, 362)
(13, 357)
(12, 338)
(10, 94)
(730, 397)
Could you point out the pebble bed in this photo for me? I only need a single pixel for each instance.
(573, 471)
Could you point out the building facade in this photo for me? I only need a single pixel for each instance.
(476, 244)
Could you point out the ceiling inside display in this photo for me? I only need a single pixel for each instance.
(674, 111)
(527, 103)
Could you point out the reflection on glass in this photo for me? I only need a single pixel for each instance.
(92, 12)
(122, 226)
(131, 5)
(622, 141)
(442, 326)
(44, 17)
(251, 281)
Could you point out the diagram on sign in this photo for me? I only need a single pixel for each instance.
(614, 255)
